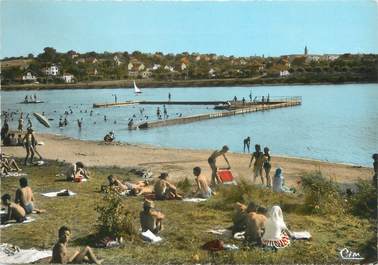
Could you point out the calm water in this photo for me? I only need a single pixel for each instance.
(337, 123)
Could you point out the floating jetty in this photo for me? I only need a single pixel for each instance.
(115, 104)
(240, 109)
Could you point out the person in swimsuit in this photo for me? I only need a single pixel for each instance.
(14, 211)
(151, 219)
(246, 143)
(25, 198)
(203, 189)
(258, 165)
(29, 144)
(164, 190)
(212, 163)
(267, 166)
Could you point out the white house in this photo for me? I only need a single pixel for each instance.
(29, 76)
(169, 68)
(117, 60)
(284, 73)
(52, 70)
(146, 74)
(183, 66)
(156, 66)
(211, 72)
(68, 78)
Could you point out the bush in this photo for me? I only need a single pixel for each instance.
(114, 219)
(364, 202)
(322, 196)
(185, 185)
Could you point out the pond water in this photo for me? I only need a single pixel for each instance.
(336, 123)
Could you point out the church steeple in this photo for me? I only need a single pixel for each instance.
(305, 51)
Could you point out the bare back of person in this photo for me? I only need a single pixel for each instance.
(202, 184)
(254, 226)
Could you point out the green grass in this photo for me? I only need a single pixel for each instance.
(185, 224)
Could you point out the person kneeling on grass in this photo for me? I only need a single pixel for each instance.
(151, 219)
(164, 190)
(24, 197)
(276, 233)
(14, 211)
(203, 189)
(60, 253)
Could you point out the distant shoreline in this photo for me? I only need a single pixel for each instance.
(176, 83)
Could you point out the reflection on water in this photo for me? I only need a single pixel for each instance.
(337, 123)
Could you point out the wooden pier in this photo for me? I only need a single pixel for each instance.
(115, 104)
(283, 103)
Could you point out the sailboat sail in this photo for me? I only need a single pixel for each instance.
(137, 89)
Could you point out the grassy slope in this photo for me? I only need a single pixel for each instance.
(184, 225)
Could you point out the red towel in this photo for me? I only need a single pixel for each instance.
(225, 175)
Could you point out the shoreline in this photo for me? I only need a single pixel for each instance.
(179, 162)
(128, 84)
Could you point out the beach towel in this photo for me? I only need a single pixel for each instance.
(302, 235)
(14, 255)
(14, 174)
(28, 220)
(39, 163)
(230, 247)
(223, 232)
(226, 176)
(150, 237)
(55, 193)
(194, 200)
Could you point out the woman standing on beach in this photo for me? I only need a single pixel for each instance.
(267, 166)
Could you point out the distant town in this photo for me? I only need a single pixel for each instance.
(52, 67)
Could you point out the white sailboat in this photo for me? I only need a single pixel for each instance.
(137, 89)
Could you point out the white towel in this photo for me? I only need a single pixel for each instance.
(28, 220)
(301, 235)
(151, 237)
(194, 200)
(22, 256)
(14, 174)
(55, 193)
(224, 232)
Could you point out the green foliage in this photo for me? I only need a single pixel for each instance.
(185, 185)
(114, 218)
(322, 196)
(364, 201)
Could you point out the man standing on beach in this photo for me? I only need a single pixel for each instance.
(258, 165)
(246, 143)
(212, 162)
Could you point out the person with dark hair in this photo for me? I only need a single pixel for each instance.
(8, 164)
(246, 144)
(151, 219)
(14, 211)
(76, 172)
(25, 198)
(29, 143)
(255, 223)
(60, 253)
(133, 189)
(258, 165)
(267, 166)
(4, 129)
(212, 163)
(164, 190)
(203, 189)
(108, 138)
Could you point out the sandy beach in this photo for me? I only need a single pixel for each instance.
(178, 162)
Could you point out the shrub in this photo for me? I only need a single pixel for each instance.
(322, 196)
(185, 185)
(364, 202)
(114, 218)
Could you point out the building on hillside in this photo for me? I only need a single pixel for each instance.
(156, 66)
(80, 60)
(183, 66)
(330, 57)
(284, 73)
(29, 76)
(212, 73)
(169, 68)
(116, 60)
(146, 74)
(53, 70)
(68, 78)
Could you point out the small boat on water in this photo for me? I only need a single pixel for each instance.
(32, 102)
(137, 90)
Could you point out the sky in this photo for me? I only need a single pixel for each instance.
(239, 28)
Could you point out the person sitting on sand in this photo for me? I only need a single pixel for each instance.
(60, 253)
(203, 189)
(14, 211)
(164, 190)
(151, 219)
(258, 165)
(77, 172)
(212, 162)
(276, 233)
(255, 224)
(24, 197)
(109, 137)
(131, 188)
(279, 182)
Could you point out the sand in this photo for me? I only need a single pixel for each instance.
(178, 162)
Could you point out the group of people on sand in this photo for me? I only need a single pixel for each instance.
(261, 227)
(24, 204)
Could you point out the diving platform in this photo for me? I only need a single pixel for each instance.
(234, 109)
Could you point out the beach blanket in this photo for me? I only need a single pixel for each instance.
(224, 232)
(303, 235)
(150, 237)
(55, 193)
(226, 176)
(14, 255)
(28, 220)
(194, 200)
(14, 174)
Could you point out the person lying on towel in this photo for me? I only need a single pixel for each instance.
(61, 255)
(203, 189)
(25, 198)
(150, 219)
(14, 211)
(164, 190)
(131, 188)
